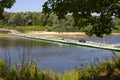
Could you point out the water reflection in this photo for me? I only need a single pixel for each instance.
(50, 56)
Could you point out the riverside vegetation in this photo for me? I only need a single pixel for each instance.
(28, 71)
(24, 21)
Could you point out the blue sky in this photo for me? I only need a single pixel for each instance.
(27, 5)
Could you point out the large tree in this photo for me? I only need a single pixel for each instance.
(83, 10)
(5, 4)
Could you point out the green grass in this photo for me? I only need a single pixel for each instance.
(104, 71)
(29, 28)
(3, 32)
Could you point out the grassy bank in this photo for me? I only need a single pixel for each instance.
(29, 28)
(105, 71)
(4, 33)
(43, 28)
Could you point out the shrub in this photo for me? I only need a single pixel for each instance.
(105, 71)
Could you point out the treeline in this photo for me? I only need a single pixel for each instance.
(50, 22)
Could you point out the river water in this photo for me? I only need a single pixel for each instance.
(54, 56)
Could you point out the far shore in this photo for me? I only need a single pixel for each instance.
(115, 34)
(55, 34)
(62, 34)
(7, 35)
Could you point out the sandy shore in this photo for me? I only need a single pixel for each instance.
(115, 34)
(57, 34)
(7, 35)
(62, 34)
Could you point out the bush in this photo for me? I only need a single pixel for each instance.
(105, 71)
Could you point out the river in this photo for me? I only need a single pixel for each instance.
(54, 56)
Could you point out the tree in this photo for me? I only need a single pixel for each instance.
(5, 4)
(82, 11)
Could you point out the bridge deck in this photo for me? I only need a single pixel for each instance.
(73, 42)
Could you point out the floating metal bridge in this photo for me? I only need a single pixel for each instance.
(111, 47)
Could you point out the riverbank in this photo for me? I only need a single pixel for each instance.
(69, 35)
(115, 34)
(61, 33)
(109, 71)
(7, 35)
(56, 34)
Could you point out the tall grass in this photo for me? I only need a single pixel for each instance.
(3, 32)
(29, 28)
(104, 71)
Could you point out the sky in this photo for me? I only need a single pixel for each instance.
(27, 5)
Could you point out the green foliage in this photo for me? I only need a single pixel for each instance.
(82, 11)
(3, 69)
(30, 28)
(39, 19)
(52, 23)
(104, 71)
(117, 24)
(3, 32)
(5, 4)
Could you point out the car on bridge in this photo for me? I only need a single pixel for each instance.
(82, 40)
